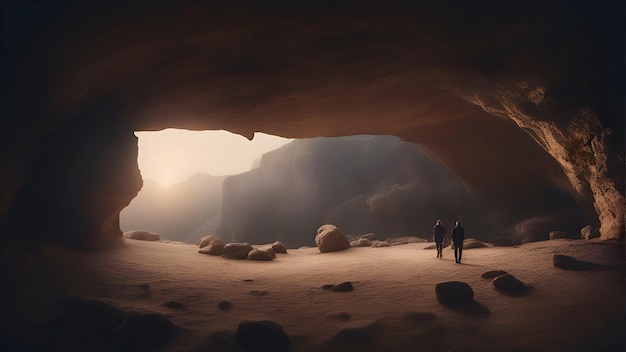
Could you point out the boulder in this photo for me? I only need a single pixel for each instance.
(213, 249)
(142, 235)
(278, 247)
(565, 262)
(470, 243)
(454, 292)
(237, 250)
(331, 239)
(589, 232)
(509, 283)
(361, 242)
(209, 240)
(261, 255)
(264, 335)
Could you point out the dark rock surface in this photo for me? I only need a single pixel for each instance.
(454, 292)
(262, 336)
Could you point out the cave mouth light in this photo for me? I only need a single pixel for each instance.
(172, 156)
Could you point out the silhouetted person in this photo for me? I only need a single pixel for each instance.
(458, 236)
(439, 235)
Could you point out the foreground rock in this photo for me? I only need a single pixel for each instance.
(264, 335)
(142, 236)
(454, 292)
(330, 239)
(278, 247)
(509, 283)
(237, 250)
(213, 249)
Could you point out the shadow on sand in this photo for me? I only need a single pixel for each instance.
(473, 308)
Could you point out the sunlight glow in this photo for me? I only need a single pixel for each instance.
(172, 155)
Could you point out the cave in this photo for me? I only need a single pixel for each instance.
(523, 101)
(501, 104)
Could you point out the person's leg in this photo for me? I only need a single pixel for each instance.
(439, 248)
(460, 252)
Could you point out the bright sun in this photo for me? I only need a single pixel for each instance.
(172, 155)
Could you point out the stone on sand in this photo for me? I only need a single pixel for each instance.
(216, 248)
(142, 235)
(237, 250)
(378, 244)
(509, 283)
(454, 292)
(361, 242)
(260, 255)
(470, 243)
(589, 232)
(331, 239)
(278, 247)
(209, 240)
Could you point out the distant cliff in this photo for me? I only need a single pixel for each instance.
(180, 212)
(360, 183)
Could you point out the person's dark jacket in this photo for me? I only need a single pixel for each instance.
(439, 233)
(458, 234)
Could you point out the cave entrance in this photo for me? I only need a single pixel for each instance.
(273, 188)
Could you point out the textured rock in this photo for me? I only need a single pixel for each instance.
(260, 255)
(509, 283)
(361, 242)
(378, 244)
(454, 292)
(331, 239)
(142, 235)
(217, 248)
(208, 240)
(589, 232)
(237, 250)
(278, 247)
(262, 335)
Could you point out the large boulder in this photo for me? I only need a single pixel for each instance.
(331, 239)
(237, 250)
(454, 292)
(142, 235)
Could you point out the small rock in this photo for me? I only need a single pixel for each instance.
(565, 262)
(142, 235)
(224, 305)
(470, 243)
(361, 242)
(260, 255)
(509, 283)
(343, 287)
(213, 249)
(378, 244)
(589, 232)
(208, 240)
(237, 250)
(454, 292)
(369, 236)
(279, 247)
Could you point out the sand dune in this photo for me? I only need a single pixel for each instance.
(393, 306)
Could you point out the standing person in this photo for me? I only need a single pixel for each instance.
(439, 235)
(458, 236)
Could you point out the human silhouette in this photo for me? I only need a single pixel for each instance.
(439, 235)
(458, 236)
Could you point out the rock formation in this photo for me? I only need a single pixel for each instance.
(521, 94)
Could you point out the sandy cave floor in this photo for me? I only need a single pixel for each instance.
(393, 305)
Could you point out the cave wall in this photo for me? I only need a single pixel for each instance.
(438, 75)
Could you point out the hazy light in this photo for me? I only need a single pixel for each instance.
(172, 156)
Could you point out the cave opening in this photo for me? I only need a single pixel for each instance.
(199, 183)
